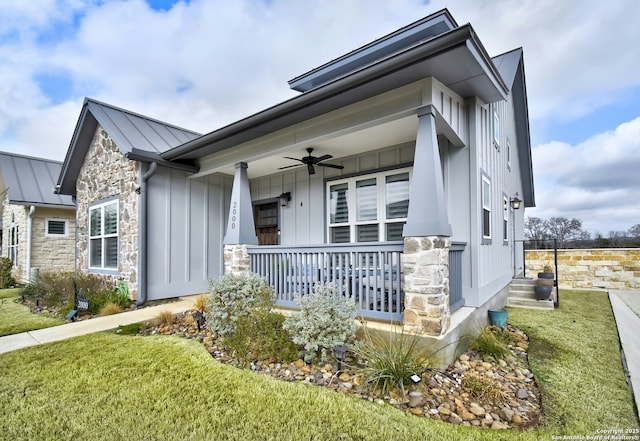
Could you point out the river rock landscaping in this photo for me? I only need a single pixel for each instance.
(477, 390)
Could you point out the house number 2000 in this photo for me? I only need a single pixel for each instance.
(234, 211)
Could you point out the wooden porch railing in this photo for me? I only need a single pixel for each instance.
(371, 274)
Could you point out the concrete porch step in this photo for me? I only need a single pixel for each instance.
(522, 295)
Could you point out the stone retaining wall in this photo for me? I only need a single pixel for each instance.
(609, 269)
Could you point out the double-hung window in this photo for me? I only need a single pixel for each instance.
(486, 209)
(12, 247)
(368, 208)
(505, 220)
(103, 235)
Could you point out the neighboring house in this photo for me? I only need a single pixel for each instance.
(420, 145)
(38, 225)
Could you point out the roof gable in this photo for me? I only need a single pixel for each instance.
(130, 131)
(30, 181)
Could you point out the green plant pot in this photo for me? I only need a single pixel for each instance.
(498, 317)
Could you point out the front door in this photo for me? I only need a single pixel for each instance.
(265, 217)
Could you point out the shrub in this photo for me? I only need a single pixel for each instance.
(6, 278)
(260, 336)
(110, 309)
(234, 296)
(488, 343)
(390, 360)
(165, 318)
(200, 303)
(483, 388)
(326, 319)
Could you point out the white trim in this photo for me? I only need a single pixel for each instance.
(380, 220)
(496, 128)
(485, 192)
(102, 236)
(47, 232)
(505, 219)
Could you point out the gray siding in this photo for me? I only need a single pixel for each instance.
(186, 226)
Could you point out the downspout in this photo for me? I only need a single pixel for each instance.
(142, 236)
(27, 269)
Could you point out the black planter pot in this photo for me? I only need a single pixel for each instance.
(545, 275)
(543, 292)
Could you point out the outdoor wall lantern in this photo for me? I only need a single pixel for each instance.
(285, 198)
(515, 202)
(340, 352)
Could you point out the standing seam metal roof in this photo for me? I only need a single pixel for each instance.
(30, 180)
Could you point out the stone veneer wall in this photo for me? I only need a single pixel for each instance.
(19, 215)
(236, 259)
(107, 173)
(53, 253)
(425, 267)
(611, 268)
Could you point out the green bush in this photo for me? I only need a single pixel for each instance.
(234, 296)
(488, 343)
(326, 319)
(390, 359)
(6, 279)
(259, 336)
(56, 289)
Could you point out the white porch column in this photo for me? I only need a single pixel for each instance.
(241, 229)
(427, 237)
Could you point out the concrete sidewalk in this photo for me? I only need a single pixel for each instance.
(626, 309)
(18, 341)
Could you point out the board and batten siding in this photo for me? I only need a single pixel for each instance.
(186, 226)
(303, 221)
(497, 160)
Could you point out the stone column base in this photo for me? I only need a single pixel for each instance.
(236, 259)
(425, 266)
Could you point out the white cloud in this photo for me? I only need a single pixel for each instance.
(595, 181)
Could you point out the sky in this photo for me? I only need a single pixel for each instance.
(201, 64)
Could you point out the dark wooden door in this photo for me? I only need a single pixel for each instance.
(265, 217)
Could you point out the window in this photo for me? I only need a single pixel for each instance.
(486, 209)
(368, 208)
(508, 154)
(12, 247)
(55, 227)
(496, 128)
(103, 235)
(505, 221)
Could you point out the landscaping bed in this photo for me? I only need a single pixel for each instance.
(477, 390)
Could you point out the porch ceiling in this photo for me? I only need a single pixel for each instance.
(265, 160)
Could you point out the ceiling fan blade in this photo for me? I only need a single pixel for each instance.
(339, 167)
(289, 166)
(323, 158)
(294, 159)
(310, 169)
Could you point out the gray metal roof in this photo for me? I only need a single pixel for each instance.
(130, 130)
(135, 135)
(507, 64)
(30, 181)
(415, 33)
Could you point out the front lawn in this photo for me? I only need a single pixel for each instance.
(110, 387)
(16, 318)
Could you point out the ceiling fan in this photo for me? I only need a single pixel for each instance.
(310, 161)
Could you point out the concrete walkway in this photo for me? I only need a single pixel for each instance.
(626, 309)
(18, 341)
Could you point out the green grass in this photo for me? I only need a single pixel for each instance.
(109, 387)
(16, 318)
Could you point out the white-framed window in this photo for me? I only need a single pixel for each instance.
(368, 208)
(103, 235)
(508, 154)
(505, 220)
(486, 209)
(55, 227)
(496, 128)
(12, 246)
